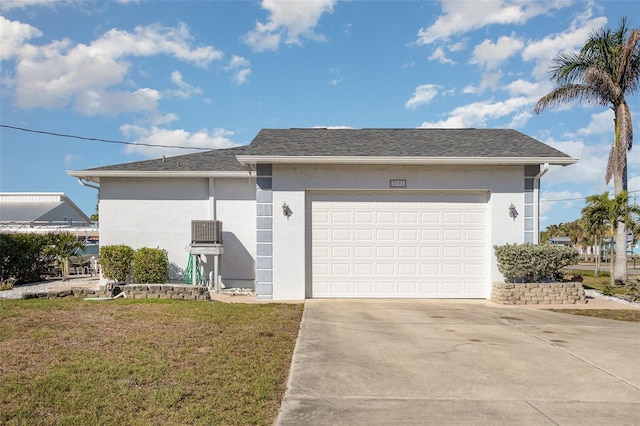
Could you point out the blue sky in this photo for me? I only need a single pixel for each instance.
(213, 73)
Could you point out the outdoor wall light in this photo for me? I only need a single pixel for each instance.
(513, 213)
(286, 211)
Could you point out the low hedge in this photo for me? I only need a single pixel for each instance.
(534, 263)
(147, 265)
(150, 266)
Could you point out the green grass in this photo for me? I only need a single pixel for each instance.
(140, 362)
(590, 281)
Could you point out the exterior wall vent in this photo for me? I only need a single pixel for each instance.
(206, 232)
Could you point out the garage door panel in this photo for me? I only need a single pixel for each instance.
(410, 251)
(363, 235)
(340, 234)
(360, 252)
(452, 218)
(363, 287)
(373, 246)
(360, 218)
(407, 235)
(430, 235)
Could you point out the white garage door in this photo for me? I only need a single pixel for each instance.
(402, 246)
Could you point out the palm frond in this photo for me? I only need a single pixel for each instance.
(569, 93)
(601, 81)
(629, 68)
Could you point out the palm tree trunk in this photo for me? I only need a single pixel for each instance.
(620, 273)
(599, 250)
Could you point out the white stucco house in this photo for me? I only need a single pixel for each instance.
(326, 213)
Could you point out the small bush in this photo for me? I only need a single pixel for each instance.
(7, 284)
(632, 287)
(534, 263)
(116, 262)
(22, 257)
(607, 290)
(150, 266)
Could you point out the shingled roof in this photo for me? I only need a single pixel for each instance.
(446, 146)
(398, 143)
(223, 160)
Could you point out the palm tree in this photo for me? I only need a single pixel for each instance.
(63, 247)
(604, 72)
(602, 212)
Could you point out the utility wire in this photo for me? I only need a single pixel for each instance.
(579, 198)
(63, 135)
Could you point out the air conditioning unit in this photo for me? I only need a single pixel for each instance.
(206, 232)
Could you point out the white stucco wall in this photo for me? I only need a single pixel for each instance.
(157, 212)
(291, 238)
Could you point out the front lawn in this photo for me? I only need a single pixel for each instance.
(143, 361)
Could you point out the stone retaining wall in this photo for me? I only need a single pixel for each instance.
(538, 293)
(132, 291)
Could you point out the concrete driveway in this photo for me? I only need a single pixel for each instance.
(459, 363)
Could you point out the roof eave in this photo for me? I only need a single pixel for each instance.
(283, 159)
(97, 174)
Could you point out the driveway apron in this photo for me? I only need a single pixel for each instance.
(460, 363)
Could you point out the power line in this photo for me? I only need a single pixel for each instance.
(579, 198)
(63, 135)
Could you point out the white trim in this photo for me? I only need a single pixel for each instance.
(283, 159)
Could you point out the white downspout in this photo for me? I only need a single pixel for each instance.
(536, 202)
(212, 199)
(88, 185)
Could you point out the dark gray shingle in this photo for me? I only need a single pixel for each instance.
(399, 143)
(219, 160)
(462, 143)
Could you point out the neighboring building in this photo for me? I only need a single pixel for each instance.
(43, 212)
(388, 213)
(563, 241)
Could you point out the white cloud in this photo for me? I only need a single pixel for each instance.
(530, 89)
(490, 55)
(471, 89)
(23, 4)
(239, 66)
(13, 35)
(185, 90)
(476, 114)
(601, 123)
(288, 23)
(60, 73)
(422, 95)
(543, 51)
(520, 119)
(439, 55)
(97, 102)
(460, 17)
(218, 138)
(588, 171)
(336, 81)
(554, 200)
(70, 159)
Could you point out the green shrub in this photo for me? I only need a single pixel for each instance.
(534, 263)
(632, 287)
(22, 257)
(607, 290)
(116, 262)
(150, 266)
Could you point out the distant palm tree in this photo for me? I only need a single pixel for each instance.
(604, 72)
(606, 214)
(63, 247)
